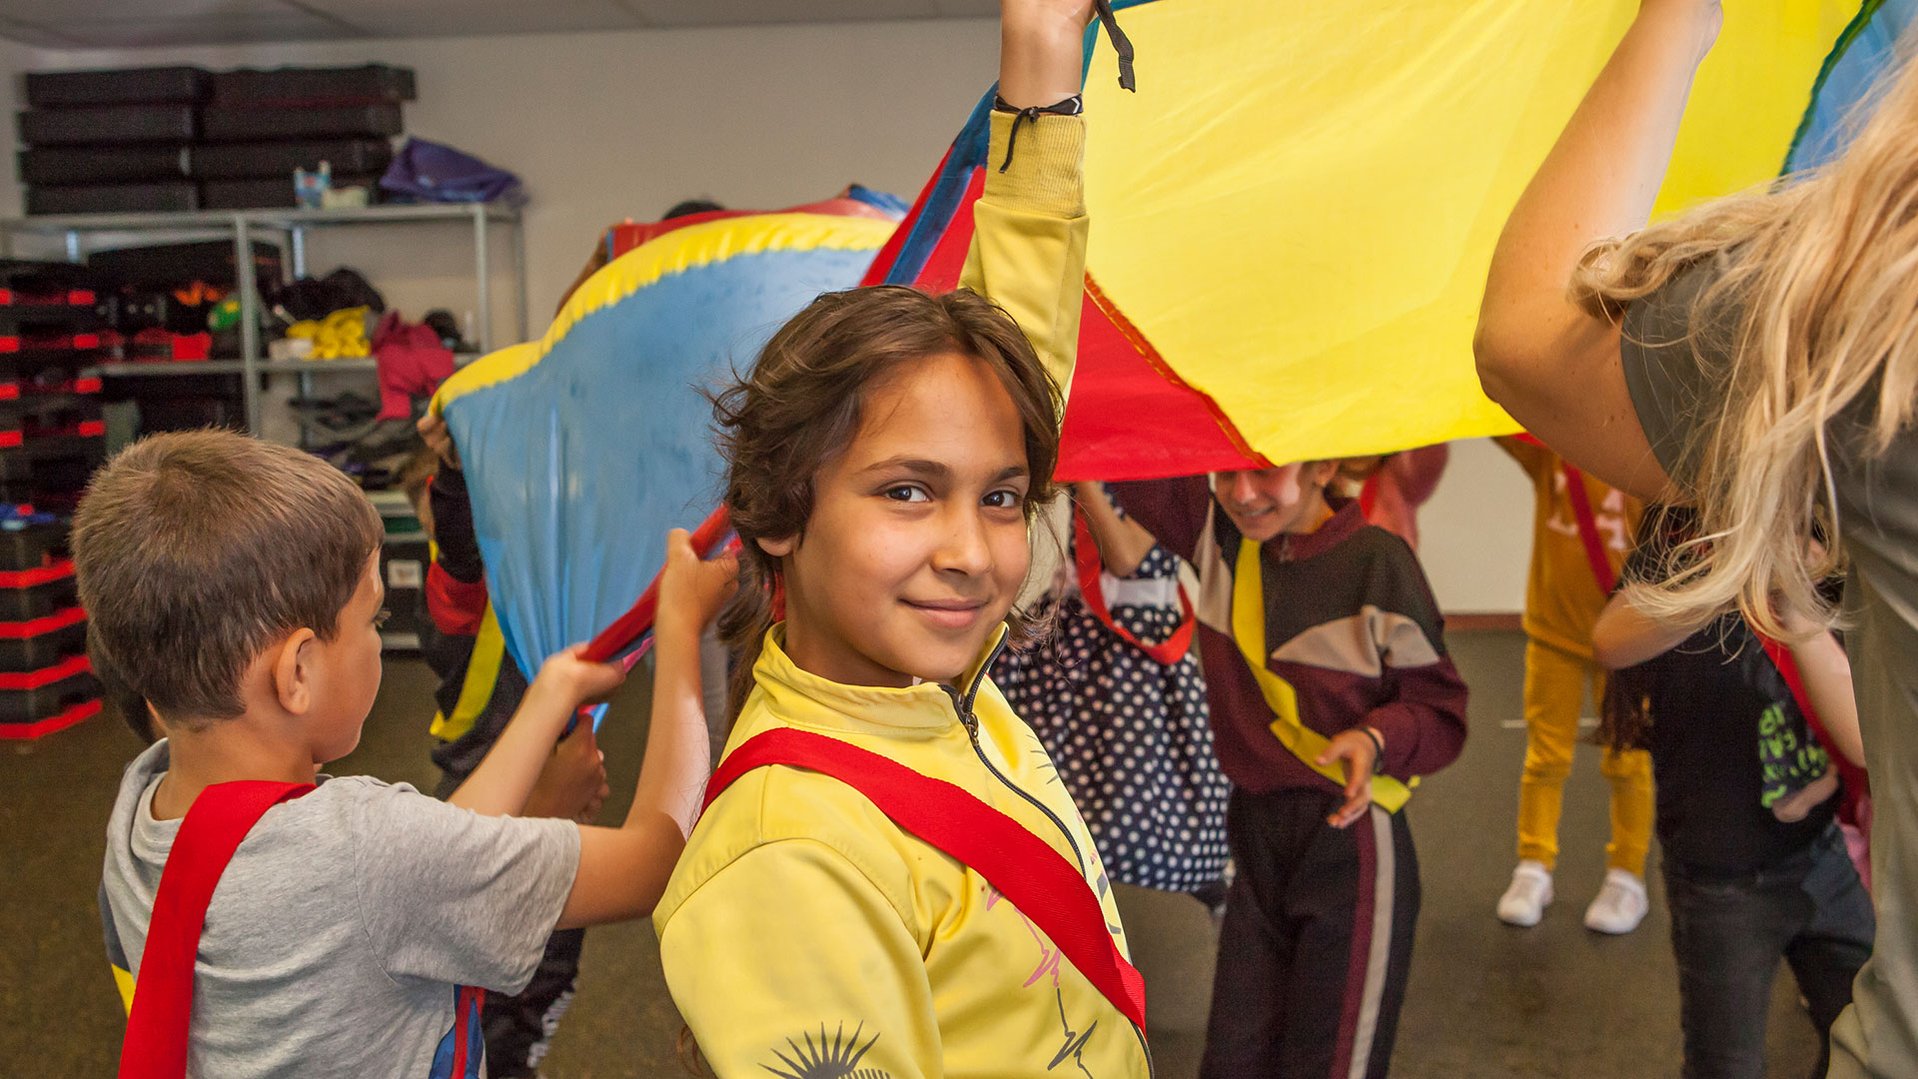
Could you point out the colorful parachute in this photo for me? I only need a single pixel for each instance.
(584, 446)
(1291, 225)
(1293, 217)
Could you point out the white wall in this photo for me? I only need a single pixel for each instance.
(1475, 536)
(605, 126)
(14, 59)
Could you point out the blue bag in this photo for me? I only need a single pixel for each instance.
(426, 171)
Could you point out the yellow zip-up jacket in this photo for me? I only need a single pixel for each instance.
(804, 929)
(805, 934)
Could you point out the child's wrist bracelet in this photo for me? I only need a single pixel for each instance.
(1073, 105)
(1378, 747)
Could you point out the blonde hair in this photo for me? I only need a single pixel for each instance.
(1818, 307)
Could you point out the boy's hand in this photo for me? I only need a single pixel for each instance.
(574, 681)
(1355, 748)
(572, 784)
(692, 591)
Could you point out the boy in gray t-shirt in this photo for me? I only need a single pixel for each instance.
(234, 586)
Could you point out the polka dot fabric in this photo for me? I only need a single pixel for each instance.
(1131, 738)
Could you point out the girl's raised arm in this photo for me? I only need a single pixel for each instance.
(1028, 251)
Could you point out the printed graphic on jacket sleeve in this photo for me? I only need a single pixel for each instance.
(833, 1056)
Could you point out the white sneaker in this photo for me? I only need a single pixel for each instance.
(1524, 903)
(1620, 906)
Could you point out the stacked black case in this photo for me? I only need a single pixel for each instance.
(183, 138)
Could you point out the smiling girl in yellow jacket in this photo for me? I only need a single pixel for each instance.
(886, 454)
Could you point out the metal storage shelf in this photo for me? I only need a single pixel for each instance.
(317, 367)
(170, 367)
(45, 224)
(143, 368)
(243, 226)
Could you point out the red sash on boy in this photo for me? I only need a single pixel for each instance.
(1036, 878)
(223, 814)
(1085, 551)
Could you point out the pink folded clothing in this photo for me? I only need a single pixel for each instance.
(412, 363)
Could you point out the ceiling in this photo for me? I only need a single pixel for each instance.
(82, 24)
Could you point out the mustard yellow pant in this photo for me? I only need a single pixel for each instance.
(1555, 685)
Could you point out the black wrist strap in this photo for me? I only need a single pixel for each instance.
(1121, 44)
(1071, 106)
(1378, 749)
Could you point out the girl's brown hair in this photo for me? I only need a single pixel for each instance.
(800, 406)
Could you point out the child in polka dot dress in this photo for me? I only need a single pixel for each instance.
(1128, 731)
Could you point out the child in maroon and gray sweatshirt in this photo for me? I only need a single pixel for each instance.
(1331, 692)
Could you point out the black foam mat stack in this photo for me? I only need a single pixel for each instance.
(160, 139)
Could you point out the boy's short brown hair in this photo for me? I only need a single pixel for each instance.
(197, 550)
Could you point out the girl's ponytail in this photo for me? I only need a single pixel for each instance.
(1624, 714)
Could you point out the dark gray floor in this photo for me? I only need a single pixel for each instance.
(1486, 1001)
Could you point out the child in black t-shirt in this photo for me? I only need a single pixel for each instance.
(1755, 869)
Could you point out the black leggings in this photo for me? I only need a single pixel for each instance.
(1317, 940)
